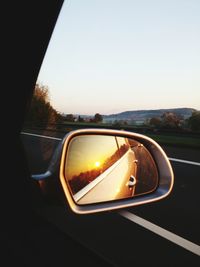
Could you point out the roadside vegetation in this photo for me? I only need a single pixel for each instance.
(168, 129)
(178, 141)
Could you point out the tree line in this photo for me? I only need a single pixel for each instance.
(42, 113)
(171, 120)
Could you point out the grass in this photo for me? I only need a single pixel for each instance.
(180, 141)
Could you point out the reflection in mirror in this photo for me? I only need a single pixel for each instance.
(102, 168)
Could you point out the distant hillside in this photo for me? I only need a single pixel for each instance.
(142, 115)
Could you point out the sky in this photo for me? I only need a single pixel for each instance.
(110, 56)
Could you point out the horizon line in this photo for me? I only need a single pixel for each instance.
(109, 114)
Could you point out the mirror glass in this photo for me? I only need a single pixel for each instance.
(102, 168)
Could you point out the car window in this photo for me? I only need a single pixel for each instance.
(122, 65)
(123, 145)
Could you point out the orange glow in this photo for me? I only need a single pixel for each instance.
(87, 153)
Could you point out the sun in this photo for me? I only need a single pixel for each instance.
(97, 164)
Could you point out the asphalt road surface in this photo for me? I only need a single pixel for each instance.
(164, 233)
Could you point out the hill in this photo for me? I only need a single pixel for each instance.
(142, 115)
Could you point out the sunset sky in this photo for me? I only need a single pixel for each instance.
(110, 56)
(86, 153)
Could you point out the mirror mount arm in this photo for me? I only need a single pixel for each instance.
(54, 165)
(42, 176)
(49, 182)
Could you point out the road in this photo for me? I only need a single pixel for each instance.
(164, 233)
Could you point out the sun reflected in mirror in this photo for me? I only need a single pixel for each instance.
(97, 164)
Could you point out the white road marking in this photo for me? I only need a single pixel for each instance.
(43, 136)
(162, 232)
(185, 161)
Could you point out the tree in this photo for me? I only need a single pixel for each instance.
(98, 118)
(170, 120)
(117, 123)
(80, 119)
(194, 121)
(41, 111)
(155, 121)
(70, 118)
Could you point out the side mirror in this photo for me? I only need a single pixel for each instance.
(102, 170)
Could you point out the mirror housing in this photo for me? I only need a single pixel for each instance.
(54, 180)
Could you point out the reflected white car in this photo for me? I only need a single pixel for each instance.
(116, 182)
